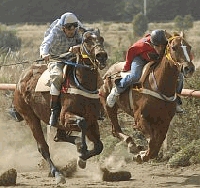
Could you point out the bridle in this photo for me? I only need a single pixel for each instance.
(176, 62)
(169, 55)
(94, 63)
(87, 54)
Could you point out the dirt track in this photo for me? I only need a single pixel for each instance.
(144, 176)
(19, 151)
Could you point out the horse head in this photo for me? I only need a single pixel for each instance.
(92, 47)
(179, 51)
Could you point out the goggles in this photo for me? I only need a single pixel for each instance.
(70, 26)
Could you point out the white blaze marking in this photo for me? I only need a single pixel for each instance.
(185, 53)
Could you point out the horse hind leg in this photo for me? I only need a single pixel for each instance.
(43, 147)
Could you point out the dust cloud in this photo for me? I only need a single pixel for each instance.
(18, 148)
(16, 145)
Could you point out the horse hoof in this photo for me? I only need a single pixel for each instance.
(140, 148)
(59, 178)
(132, 148)
(81, 163)
(138, 158)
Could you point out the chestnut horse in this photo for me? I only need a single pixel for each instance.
(152, 102)
(80, 104)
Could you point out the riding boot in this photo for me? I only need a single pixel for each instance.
(112, 97)
(55, 110)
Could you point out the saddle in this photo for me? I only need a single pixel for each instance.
(43, 83)
(117, 73)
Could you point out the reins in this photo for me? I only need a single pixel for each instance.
(86, 54)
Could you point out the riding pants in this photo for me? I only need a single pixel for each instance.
(56, 77)
(136, 72)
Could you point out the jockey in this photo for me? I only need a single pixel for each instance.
(63, 36)
(150, 48)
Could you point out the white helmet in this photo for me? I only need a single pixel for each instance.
(68, 18)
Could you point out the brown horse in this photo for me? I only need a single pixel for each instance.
(152, 102)
(80, 104)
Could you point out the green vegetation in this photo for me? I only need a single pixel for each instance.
(140, 25)
(8, 38)
(40, 12)
(183, 23)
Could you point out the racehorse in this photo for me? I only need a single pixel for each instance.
(80, 104)
(151, 102)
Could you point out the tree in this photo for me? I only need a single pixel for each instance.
(183, 23)
(8, 39)
(188, 22)
(140, 24)
(178, 22)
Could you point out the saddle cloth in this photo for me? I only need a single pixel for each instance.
(117, 70)
(43, 83)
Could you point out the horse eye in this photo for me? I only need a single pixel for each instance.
(88, 39)
(173, 48)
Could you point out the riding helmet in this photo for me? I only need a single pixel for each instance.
(158, 37)
(68, 18)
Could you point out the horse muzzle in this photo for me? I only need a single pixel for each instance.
(101, 58)
(188, 70)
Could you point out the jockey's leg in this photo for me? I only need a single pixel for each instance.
(55, 110)
(121, 85)
(56, 78)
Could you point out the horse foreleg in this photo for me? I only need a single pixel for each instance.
(112, 115)
(155, 140)
(117, 131)
(81, 144)
(94, 136)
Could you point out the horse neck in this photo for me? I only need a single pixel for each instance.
(87, 77)
(166, 75)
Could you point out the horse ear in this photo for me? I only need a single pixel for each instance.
(176, 33)
(97, 31)
(182, 34)
(167, 35)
